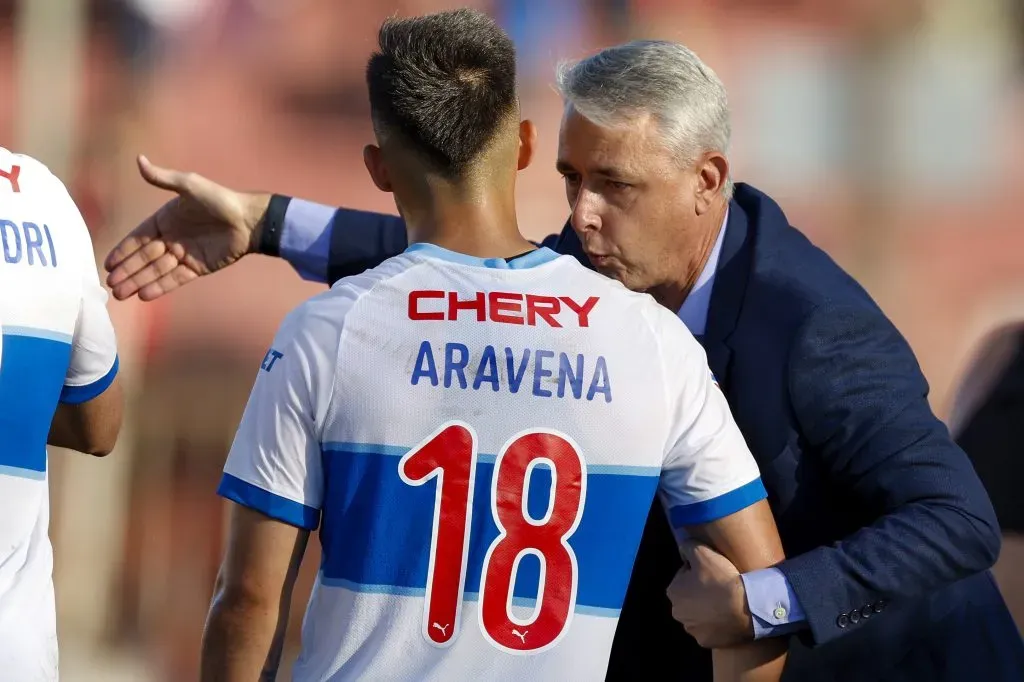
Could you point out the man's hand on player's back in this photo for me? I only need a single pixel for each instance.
(205, 228)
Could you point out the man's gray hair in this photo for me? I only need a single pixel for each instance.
(662, 78)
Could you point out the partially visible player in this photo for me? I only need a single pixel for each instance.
(478, 427)
(58, 386)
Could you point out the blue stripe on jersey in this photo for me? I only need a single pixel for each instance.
(274, 506)
(33, 365)
(22, 473)
(718, 507)
(376, 529)
(76, 395)
(11, 330)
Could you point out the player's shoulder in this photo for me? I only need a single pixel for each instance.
(348, 291)
(325, 313)
(40, 193)
(610, 288)
(666, 332)
(620, 299)
(33, 177)
(366, 281)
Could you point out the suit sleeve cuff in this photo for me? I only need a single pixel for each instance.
(273, 224)
(303, 235)
(774, 608)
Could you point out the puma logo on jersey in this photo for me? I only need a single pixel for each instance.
(520, 635)
(444, 630)
(500, 307)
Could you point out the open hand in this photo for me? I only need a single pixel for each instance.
(204, 228)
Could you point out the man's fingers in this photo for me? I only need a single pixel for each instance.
(688, 550)
(145, 276)
(178, 277)
(136, 262)
(694, 551)
(145, 233)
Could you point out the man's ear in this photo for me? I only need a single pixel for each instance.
(712, 174)
(374, 160)
(527, 143)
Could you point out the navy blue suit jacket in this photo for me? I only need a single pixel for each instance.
(889, 530)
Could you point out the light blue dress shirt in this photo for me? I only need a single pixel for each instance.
(305, 244)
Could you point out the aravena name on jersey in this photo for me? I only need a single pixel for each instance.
(547, 373)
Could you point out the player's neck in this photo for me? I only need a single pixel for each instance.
(484, 227)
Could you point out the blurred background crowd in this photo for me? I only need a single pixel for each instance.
(891, 131)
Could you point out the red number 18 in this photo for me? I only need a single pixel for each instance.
(450, 456)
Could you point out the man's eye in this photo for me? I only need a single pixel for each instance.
(571, 177)
(615, 184)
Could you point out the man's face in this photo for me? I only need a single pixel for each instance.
(632, 202)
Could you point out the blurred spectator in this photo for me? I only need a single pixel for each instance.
(543, 32)
(988, 421)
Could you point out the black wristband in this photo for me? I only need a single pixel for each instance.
(273, 222)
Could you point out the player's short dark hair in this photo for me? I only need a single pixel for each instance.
(445, 83)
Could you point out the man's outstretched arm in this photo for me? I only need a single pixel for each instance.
(324, 243)
(208, 227)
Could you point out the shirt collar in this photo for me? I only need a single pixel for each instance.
(694, 311)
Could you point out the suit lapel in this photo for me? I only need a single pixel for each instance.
(727, 292)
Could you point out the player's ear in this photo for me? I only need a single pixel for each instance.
(374, 160)
(527, 143)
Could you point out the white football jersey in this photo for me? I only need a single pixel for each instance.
(57, 345)
(479, 442)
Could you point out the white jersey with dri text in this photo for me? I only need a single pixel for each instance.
(57, 346)
(479, 442)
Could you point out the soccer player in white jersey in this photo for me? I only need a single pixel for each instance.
(471, 424)
(58, 386)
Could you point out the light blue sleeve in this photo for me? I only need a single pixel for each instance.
(773, 604)
(306, 238)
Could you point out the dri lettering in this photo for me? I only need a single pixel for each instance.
(26, 241)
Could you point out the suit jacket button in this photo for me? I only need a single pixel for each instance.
(879, 606)
(867, 612)
(842, 621)
(855, 616)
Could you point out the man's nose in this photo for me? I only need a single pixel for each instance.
(586, 212)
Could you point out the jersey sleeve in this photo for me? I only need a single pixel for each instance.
(274, 465)
(708, 471)
(94, 361)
